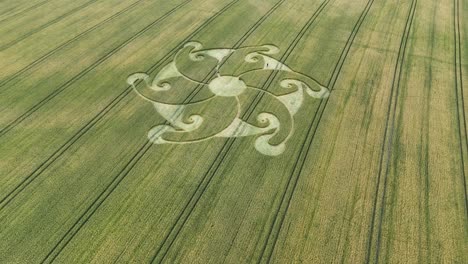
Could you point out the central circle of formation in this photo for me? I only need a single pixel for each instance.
(227, 86)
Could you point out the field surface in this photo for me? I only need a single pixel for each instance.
(233, 131)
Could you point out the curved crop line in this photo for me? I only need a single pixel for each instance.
(213, 134)
(460, 69)
(388, 141)
(286, 198)
(197, 194)
(291, 126)
(53, 51)
(75, 78)
(23, 11)
(55, 251)
(251, 71)
(5, 200)
(53, 21)
(459, 86)
(184, 75)
(310, 77)
(279, 70)
(151, 100)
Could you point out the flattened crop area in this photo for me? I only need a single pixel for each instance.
(233, 131)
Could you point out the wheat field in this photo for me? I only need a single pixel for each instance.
(233, 131)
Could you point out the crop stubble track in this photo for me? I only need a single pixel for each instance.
(64, 44)
(23, 11)
(387, 139)
(88, 69)
(41, 27)
(6, 199)
(460, 100)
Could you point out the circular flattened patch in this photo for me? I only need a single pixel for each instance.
(227, 86)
